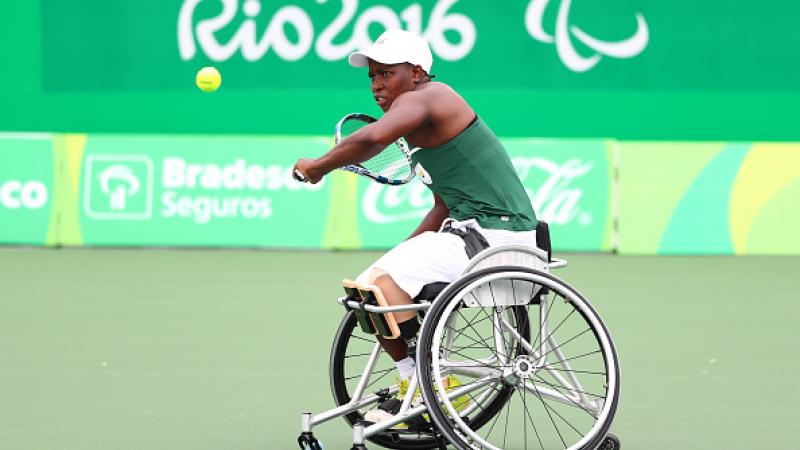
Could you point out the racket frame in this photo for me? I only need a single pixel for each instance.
(361, 170)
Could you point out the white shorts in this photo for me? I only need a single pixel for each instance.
(438, 256)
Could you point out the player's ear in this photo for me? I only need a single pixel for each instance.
(416, 74)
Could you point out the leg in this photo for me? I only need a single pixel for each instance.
(400, 274)
(394, 295)
(351, 352)
(423, 259)
(396, 348)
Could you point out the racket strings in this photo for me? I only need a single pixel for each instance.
(391, 162)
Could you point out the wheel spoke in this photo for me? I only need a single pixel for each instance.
(360, 338)
(357, 355)
(550, 409)
(385, 372)
(530, 419)
(547, 410)
(471, 322)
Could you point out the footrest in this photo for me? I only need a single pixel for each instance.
(375, 323)
(361, 316)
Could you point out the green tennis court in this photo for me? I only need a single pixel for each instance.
(168, 282)
(223, 349)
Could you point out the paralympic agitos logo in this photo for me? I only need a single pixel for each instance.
(564, 32)
(452, 35)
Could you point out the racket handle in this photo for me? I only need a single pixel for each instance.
(297, 175)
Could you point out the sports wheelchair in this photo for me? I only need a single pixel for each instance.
(536, 366)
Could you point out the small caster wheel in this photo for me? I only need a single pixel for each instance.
(611, 442)
(307, 441)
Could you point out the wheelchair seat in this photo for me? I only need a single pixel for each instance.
(487, 257)
(430, 291)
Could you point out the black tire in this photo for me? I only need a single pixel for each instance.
(463, 433)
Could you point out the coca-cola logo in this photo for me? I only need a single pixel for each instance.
(388, 204)
(556, 198)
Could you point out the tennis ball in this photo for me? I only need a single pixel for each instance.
(208, 79)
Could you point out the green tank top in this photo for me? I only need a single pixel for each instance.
(473, 175)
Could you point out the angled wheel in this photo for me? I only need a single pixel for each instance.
(556, 372)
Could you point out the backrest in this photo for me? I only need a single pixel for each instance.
(503, 255)
(508, 255)
(503, 292)
(543, 239)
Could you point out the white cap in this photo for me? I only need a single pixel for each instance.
(395, 47)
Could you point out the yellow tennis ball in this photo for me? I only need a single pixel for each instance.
(208, 79)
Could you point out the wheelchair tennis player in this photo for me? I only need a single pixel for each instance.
(479, 201)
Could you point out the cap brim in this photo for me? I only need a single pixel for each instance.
(358, 59)
(361, 59)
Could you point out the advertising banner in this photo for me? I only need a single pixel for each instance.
(628, 45)
(568, 182)
(27, 175)
(709, 198)
(199, 191)
(237, 191)
(635, 69)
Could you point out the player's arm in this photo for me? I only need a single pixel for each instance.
(408, 112)
(433, 220)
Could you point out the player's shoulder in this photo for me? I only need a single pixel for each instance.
(438, 86)
(427, 92)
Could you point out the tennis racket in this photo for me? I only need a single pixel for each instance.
(391, 166)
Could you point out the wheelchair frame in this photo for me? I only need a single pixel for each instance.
(507, 256)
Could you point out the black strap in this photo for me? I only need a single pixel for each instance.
(392, 405)
(543, 239)
(474, 241)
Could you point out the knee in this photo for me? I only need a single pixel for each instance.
(370, 276)
(381, 279)
(392, 292)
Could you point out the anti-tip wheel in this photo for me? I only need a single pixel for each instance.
(611, 442)
(307, 441)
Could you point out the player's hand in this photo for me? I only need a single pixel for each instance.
(304, 170)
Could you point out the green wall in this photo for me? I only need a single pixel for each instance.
(687, 70)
